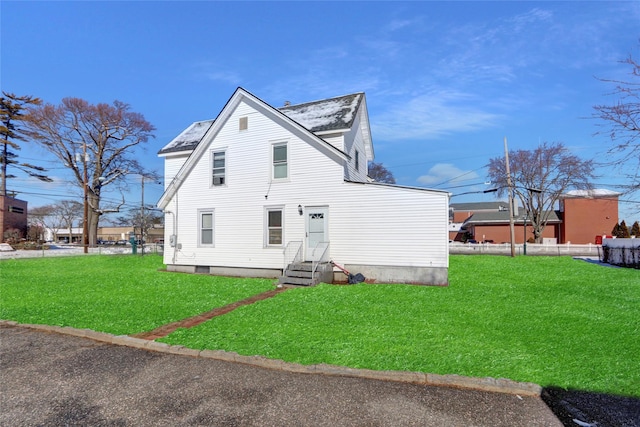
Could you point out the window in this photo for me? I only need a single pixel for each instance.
(206, 228)
(357, 160)
(218, 168)
(280, 161)
(243, 123)
(274, 227)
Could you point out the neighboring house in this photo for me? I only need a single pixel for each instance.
(259, 190)
(459, 213)
(13, 218)
(584, 215)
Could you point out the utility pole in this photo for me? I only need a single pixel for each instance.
(142, 224)
(85, 225)
(512, 234)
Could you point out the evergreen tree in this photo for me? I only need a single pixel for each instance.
(12, 112)
(616, 230)
(624, 230)
(635, 229)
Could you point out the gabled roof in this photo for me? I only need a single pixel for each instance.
(327, 114)
(240, 95)
(321, 116)
(188, 138)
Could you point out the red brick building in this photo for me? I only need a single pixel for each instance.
(588, 213)
(13, 216)
(582, 215)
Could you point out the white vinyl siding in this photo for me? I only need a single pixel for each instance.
(369, 224)
(206, 225)
(218, 167)
(356, 169)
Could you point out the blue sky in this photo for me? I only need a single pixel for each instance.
(445, 81)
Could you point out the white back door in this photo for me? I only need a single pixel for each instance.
(317, 231)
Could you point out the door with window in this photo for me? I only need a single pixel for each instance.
(317, 231)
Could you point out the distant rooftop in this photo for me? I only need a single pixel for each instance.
(502, 217)
(591, 194)
(479, 206)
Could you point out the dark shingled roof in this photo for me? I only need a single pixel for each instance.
(479, 206)
(480, 218)
(318, 116)
(188, 138)
(327, 114)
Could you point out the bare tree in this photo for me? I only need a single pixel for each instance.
(12, 112)
(43, 218)
(67, 211)
(379, 173)
(95, 142)
(539, 178)
(621, 121)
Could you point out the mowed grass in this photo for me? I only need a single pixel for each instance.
(554, 321)
(115, 294)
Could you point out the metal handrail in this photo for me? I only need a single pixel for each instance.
(323, 257)
(295, 247)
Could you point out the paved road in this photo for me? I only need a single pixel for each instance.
(49, 379)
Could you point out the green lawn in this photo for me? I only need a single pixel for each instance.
(119, 294)
(554, 321)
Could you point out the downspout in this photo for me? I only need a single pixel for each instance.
(174, 234)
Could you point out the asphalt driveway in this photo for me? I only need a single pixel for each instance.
(49, 379)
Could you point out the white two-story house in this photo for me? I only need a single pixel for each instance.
(258, 189)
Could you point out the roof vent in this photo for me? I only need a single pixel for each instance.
(287, 103)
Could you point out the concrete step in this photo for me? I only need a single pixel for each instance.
(298, 281)
(299, 273)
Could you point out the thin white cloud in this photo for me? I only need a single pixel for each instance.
(446, 173)
(400, 24)
(224, 76)
(432, 115)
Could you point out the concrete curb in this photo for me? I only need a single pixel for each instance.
(500, 385)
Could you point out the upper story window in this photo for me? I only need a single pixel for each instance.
(357, 160)
(280, 161)
(218, 168)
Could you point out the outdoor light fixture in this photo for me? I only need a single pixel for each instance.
(300, 209)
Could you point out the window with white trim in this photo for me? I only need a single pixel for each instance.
(206, 228)
(357, 160)
(280, 159)
(275, 227)
(218, 167)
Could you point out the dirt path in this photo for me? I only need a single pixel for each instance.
(190, 322)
